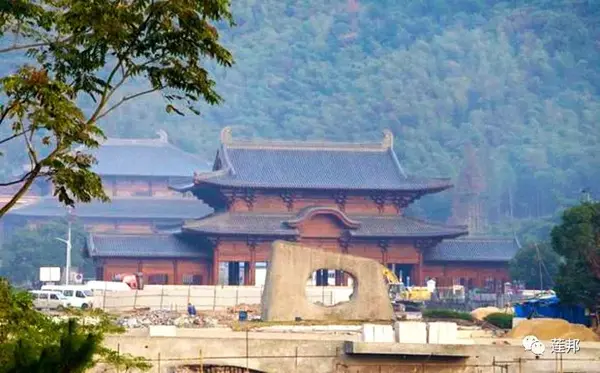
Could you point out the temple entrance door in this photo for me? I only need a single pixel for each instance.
(403, 272)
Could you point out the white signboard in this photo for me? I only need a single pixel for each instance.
(50, 274)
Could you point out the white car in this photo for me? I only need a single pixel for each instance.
(78, 296)
(51, 300)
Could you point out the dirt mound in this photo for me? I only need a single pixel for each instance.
(481, 313)
(547, 329)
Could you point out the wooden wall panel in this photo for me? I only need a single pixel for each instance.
(447, 274)
(114, 266)
(149, 267)
(272, 202)
(401, 253)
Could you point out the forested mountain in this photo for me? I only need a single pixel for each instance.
(518, 80)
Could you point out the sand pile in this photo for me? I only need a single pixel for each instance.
(547, 329)
(481, 313)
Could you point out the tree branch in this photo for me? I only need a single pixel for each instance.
(28, 180)
(21, 47)
(20, 180)
(31, 175)
(7, 110)
(125, 99)
(21, 133)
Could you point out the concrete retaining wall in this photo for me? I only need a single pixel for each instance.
(327, 356)
(177, 297)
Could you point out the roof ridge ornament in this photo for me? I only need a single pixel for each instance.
(388, 139)
(162, 136)
(226, 135)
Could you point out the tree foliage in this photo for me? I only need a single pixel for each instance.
(83, 48)
(33, 342)
(519, 80)
(28, 249)
(577, 239)
(535, 260)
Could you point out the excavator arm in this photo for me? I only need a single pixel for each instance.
(390, 276)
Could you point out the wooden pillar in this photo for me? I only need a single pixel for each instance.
(252, 264)
(100, 273)
(215, 264)
(325, 277)
(384, 245)
(175, 280)
(252, 244)
(339, 277)
(420, 270)
(344, 242)
(246, 273)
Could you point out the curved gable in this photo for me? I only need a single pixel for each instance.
(312, 212)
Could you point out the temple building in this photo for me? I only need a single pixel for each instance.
(341, 197)
(136, 174)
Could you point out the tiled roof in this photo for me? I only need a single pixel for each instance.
(474, 249)
(139, 246)
(133, 207)
(305, 165)
(242, 223)
(275, 224)
(145, 157)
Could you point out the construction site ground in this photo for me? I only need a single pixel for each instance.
(225, 324)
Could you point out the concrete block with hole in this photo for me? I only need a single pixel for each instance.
(290, 264)
(410, 332)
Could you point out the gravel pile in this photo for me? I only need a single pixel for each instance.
(164, 317)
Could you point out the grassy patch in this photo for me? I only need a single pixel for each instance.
(447, 314)
(500, 319)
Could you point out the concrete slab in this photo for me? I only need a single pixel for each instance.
(162, 331)
(410, 332)
(443, 332)
(407, 349)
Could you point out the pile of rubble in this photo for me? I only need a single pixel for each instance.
(145, 318)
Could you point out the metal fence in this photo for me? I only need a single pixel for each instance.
(177, 297)
(471, 302)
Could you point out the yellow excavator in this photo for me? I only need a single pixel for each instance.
(402, 297)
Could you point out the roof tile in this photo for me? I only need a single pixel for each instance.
(145, 157)
(275, 224)
(474, 249)
(133, 207)
(305, 165)
(141, 246)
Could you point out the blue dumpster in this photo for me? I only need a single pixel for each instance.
(243, 316)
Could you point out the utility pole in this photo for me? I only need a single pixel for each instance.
(68, 243)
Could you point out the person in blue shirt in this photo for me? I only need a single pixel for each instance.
(191, 309)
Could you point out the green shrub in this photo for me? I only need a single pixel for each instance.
(500, 319)
(447, 314)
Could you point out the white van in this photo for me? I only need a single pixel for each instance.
(51, 300)
(78, 296)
